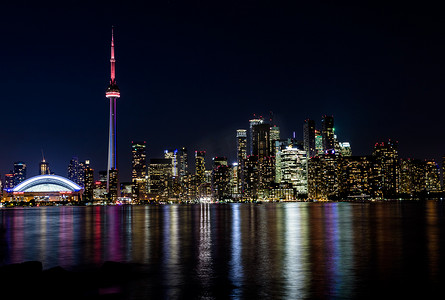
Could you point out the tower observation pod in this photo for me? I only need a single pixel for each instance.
(112, 93)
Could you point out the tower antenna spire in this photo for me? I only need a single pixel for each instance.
(112, 59)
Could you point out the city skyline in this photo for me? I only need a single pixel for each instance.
(196, 88)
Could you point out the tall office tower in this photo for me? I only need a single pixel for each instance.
(324, 176)
(9, 181)
(112, 93)
(173, 155)
(309, 138)
(274, 136)
(432, 176)
(220, 179)
(387, 168)
(19, 172)
(327, 132)
(412, 176)
(88, 182)
(76, 171)
(252, 177)
(241, 153)
(252, 123)
(183, 162)
(139, 170)
(44, 167)
(200, 167)
(160, 175)
(293, 168)
(241, 145)
(261, 140)
(356, 174)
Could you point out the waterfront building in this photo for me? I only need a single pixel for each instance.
(160, 177)
(76, 171)
(220, 179)
(19, 172)
(324, 177)
(112, 93)
(309, 137)
(139, 170)
(432, 176)
(251, 177)
(356, 176)
(386, 168)
(241, 154)
(89, 184)
(293, 169)
(46, 189)
(327, 132)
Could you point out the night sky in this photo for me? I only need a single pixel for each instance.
(191, 73)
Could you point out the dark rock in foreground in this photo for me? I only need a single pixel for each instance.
(28, 279)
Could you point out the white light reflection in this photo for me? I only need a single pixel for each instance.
(296, 267)
(236, 270)
(204, 267)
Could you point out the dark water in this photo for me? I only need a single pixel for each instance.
(267, 251)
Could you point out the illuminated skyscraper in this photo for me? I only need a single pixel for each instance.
(274, 136)
(293, 168)
(220, 180)
(9, 181)
(261, 140)
(160, 174)
(318, 143)
(76, 171)
(432, 176)
(324, 177)
(252, 123)
(345, 149)
(309, 137)
(200, 167)
(183, 162)
(139, 170)
(19, 172)
(173, 155)
(88, 182)
(44, 167)
(327, 132)
(252, 177)
(112, 93)
(387, 169)
(241, 151)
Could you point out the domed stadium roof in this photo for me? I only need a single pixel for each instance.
(47, 183)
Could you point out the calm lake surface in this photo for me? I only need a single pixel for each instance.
(263, 251)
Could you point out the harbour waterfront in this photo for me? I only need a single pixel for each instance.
(276, 250)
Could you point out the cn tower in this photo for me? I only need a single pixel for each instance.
(112, 93)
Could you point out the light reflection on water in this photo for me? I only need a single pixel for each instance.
(291, 251)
